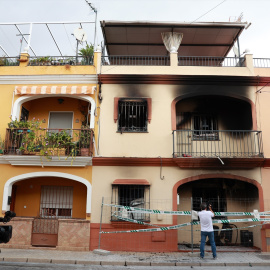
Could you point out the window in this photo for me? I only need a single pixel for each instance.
(214, 196)
(130, 195)
(205, 127)
(24, 114)
(56, 201)
(132, 115)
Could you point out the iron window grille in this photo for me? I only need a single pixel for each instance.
(205, 127)
(132, 115)
(130, 195)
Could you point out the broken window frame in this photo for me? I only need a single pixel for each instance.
(130, 195)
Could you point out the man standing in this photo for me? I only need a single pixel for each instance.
(207, 229)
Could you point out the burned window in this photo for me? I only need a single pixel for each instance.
(130, 195)
(214, 196)
(205, 127)
(132, 115)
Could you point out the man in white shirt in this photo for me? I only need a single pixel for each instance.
(207, 229)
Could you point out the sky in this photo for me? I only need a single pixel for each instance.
(256, 38)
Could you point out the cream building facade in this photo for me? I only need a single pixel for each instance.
(178, 128)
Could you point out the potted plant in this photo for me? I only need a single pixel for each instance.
(85, 141)
(87, 54)
(58, 143)
(22, 135)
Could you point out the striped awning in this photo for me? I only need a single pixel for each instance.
(54, 90)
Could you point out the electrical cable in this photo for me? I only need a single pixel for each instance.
(69, 39)
(209, 11)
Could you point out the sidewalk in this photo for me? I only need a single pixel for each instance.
(47, 255)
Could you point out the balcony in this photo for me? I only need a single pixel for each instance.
(135, 60)
(9, 61)
(140, 60)
(217, 144)
(207, 61)
(49, 144)
(261, 62)
(60, 61)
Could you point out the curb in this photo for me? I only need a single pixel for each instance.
(127, 263)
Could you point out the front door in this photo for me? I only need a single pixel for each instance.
(55, 202)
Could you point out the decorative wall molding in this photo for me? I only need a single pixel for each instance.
(62, 161)
(48, 79)
(185, 163)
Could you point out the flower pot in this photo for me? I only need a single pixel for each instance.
(84, 152)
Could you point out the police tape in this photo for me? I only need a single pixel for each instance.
(135, 221)
(175, 227)
(183, 213)
(153, 225)
(149, 211)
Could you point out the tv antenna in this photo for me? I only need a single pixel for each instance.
(80, 36)
(239, 19)
(95, 10)
(21, 40)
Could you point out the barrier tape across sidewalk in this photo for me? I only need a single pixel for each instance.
(191, 223)
(182, 213)
(131, 209)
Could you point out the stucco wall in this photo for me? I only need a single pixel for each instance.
(161, 191)
(158, 140)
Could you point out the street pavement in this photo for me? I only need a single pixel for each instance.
(143, 259)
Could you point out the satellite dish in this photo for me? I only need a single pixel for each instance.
(80, 34)
(235, 50)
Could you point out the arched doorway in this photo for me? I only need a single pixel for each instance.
(17, 107)
(227, 193)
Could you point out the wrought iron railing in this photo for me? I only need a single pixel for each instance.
(9, 61)
(221, 143)
(261, 62)
(60, 61)
(49, 142)
(210, 61)
(138, 60)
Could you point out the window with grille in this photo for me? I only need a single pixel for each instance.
(132, 115)
(130, 195)
(205, 127)
(56, 201)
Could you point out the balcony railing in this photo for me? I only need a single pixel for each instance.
(138, 60)
(208, 61)
(261, 62)
(49, 142)
(9, 61)
(60, 61)
(221, 143)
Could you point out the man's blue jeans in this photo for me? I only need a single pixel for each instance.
(212, 243)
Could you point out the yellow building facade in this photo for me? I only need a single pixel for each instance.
(48, 140)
